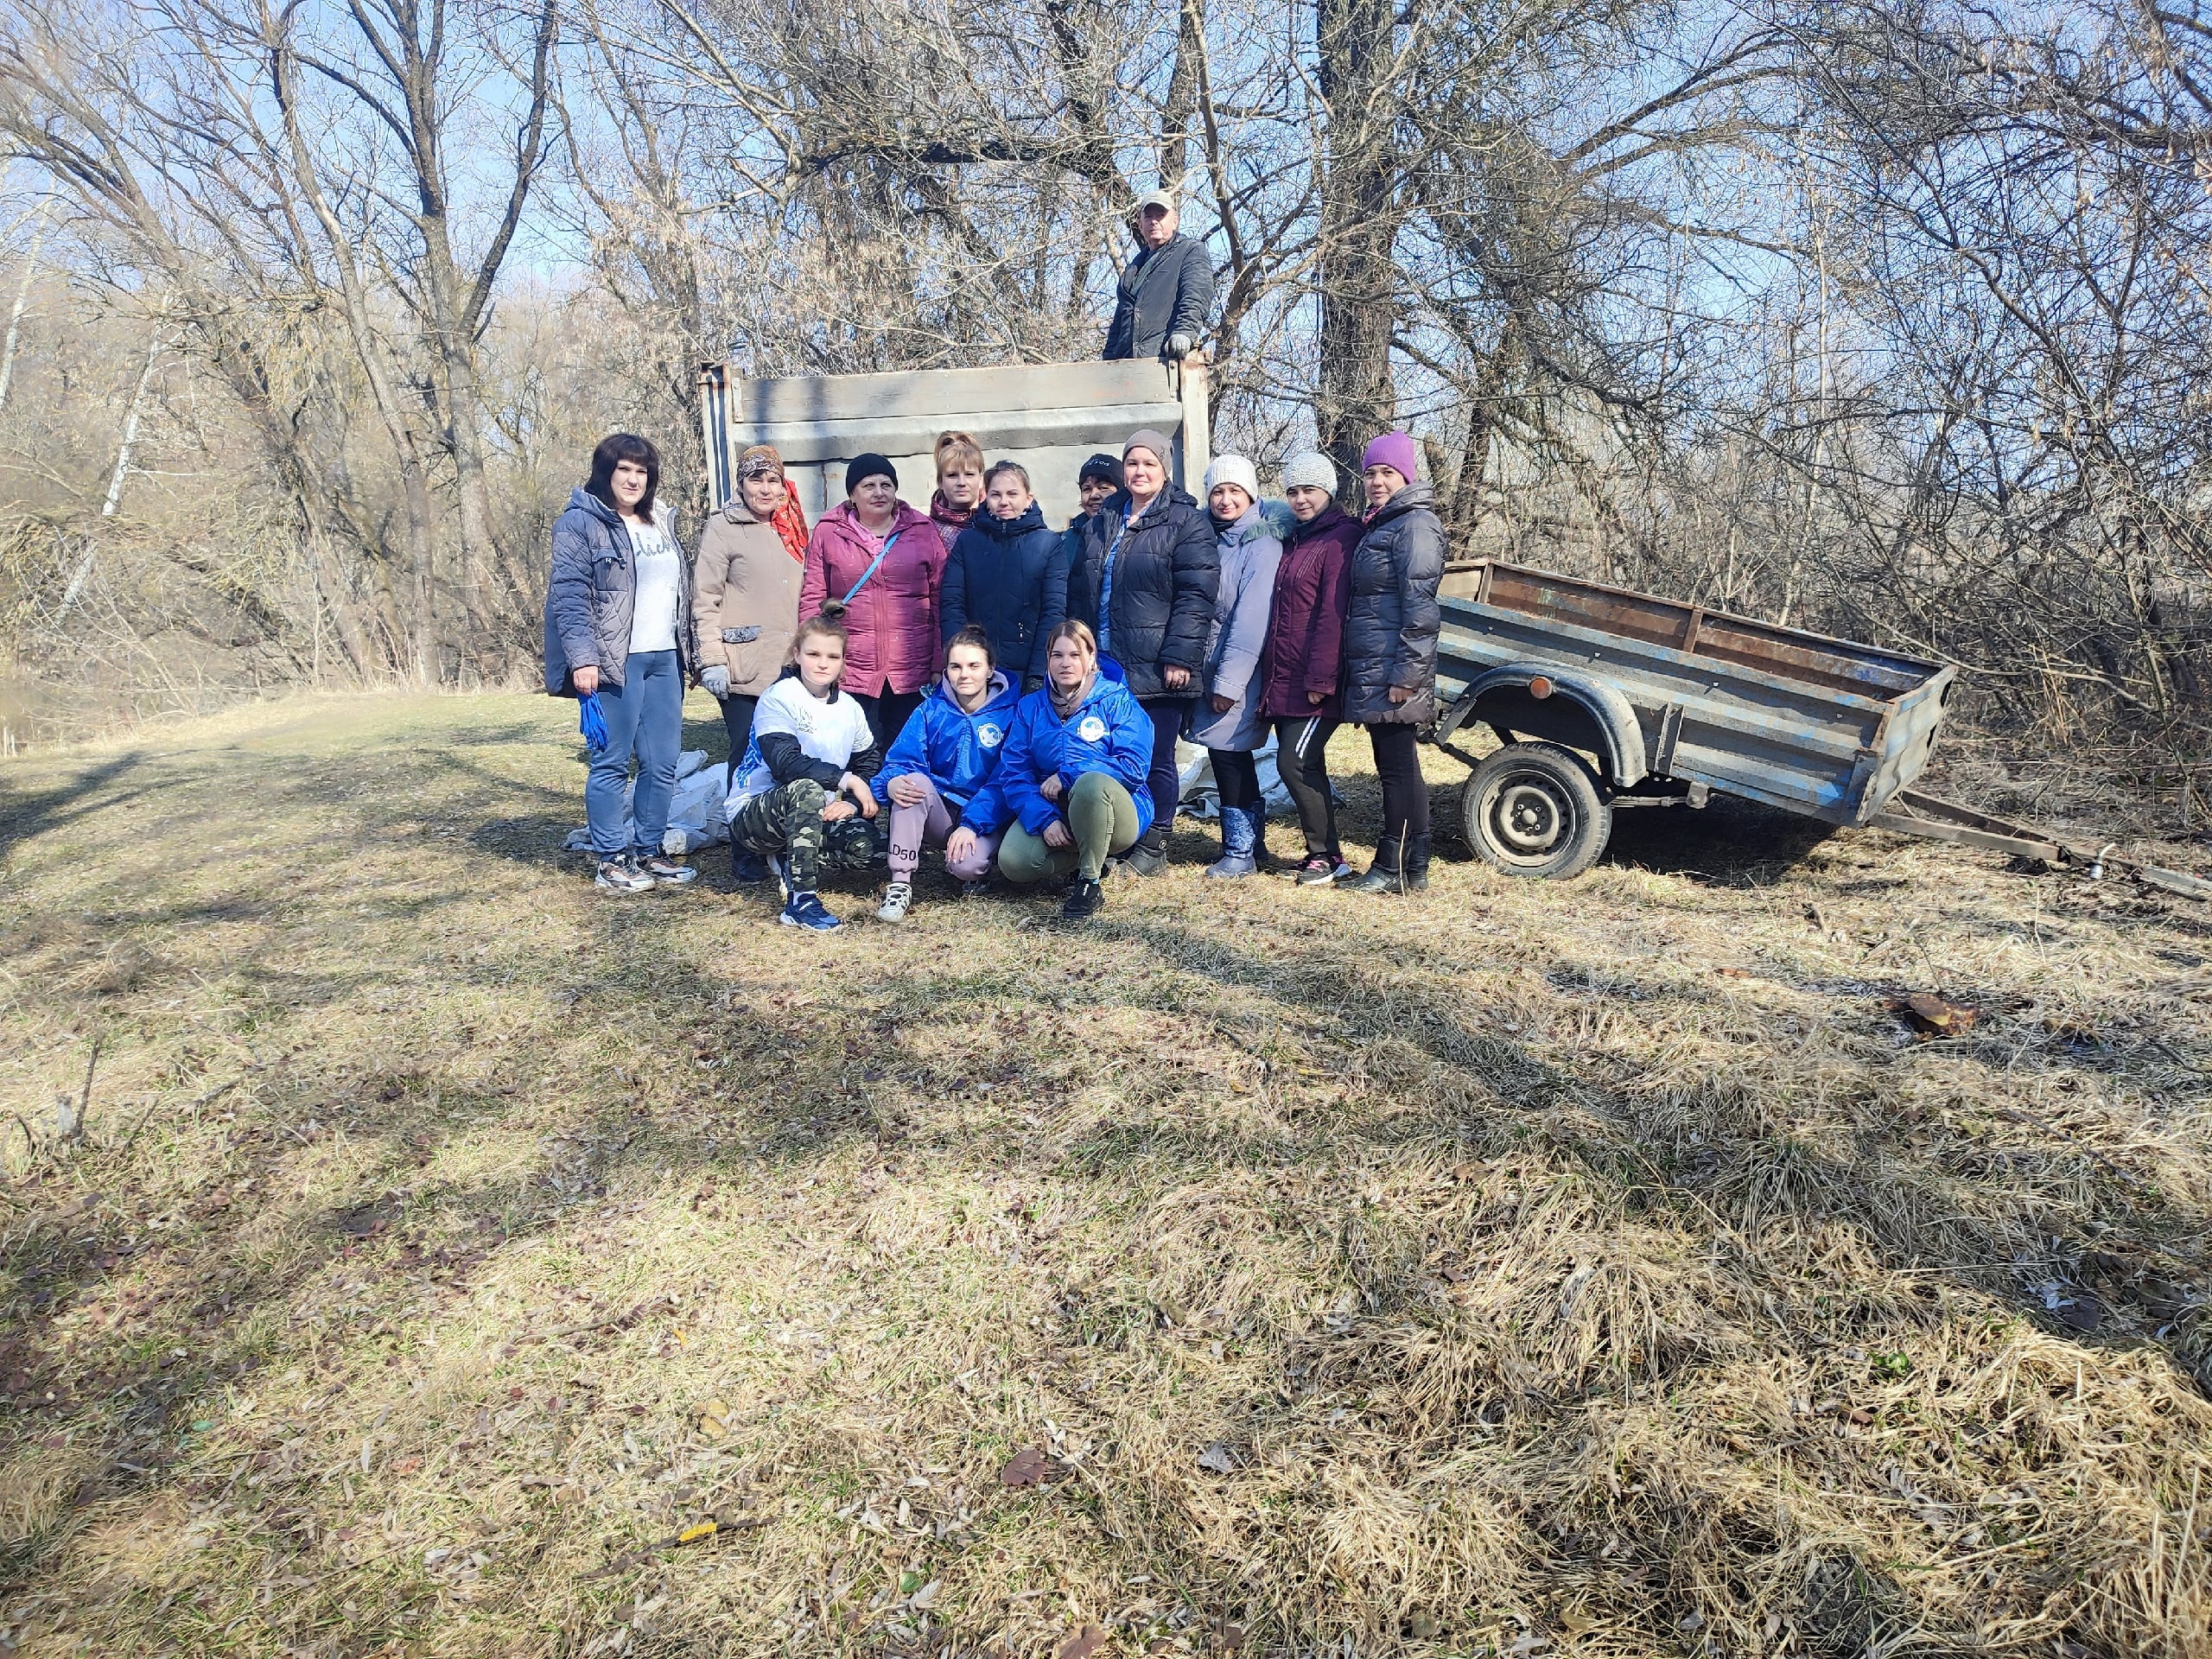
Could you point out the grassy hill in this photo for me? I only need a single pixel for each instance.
(1594, 1269)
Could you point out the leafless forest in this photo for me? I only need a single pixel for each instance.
(1889, 319)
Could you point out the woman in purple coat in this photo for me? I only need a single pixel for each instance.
(1305, 655)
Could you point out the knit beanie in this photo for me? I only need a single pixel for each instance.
(1145, 438)
(1313, 470)
(860, 468)
(1392, 449)
(1233, 469)
(1102, 466)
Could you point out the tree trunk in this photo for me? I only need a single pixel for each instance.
(1355, 398)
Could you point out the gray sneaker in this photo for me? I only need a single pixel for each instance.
(622, 875)
(667, 873)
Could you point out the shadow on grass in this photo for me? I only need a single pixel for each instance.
(812, 1080)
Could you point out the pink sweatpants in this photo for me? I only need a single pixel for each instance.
(931, 822)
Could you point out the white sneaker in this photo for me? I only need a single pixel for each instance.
(896, 898)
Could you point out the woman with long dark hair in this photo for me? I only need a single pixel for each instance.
(619, 627)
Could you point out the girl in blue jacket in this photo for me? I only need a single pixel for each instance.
(947, 751)
(1007, 575)
(1068, 791)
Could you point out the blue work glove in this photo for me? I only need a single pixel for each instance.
(591, 723)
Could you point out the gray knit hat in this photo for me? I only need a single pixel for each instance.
(1145, 438)
(1312, 469)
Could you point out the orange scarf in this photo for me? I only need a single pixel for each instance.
(790, 521)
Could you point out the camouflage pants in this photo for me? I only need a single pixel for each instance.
(787, 822)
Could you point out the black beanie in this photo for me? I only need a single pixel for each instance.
(1100, 466)
(860, 468)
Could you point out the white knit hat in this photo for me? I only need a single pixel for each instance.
(1233, 469)
(1312, 468)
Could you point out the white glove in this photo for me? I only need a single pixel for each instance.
(1180, 347)
(715, 678)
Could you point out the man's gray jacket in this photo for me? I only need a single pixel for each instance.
(1163, 293)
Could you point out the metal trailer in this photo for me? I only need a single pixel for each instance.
(1049, 416)
(1606, 698)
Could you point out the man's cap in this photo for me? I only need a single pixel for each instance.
(1156, 198)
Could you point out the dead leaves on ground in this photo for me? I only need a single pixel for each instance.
(1031, 1467)
(1933, 1015)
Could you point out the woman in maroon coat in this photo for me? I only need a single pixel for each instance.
(874, 564)
(1305, 653)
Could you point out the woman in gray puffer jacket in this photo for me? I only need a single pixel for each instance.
(1226, 718)
(1389, 653)
(619, 627)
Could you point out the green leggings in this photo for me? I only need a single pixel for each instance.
(1101, 816)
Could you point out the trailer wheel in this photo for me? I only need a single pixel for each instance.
(1535, 810)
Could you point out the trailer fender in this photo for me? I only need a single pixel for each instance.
(1581, 710)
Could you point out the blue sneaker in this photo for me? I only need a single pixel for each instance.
(805, 909)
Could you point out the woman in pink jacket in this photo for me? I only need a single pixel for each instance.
(873, 565)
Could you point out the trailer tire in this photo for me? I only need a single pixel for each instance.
(1535, 809)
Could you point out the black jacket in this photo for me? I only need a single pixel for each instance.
(1170, 292)
(1010, 580)
(1390, 626)
(1167, 570)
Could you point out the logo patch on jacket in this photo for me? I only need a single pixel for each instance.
(990, 735)
(1092, 728)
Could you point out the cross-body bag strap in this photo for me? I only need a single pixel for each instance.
(880, 557)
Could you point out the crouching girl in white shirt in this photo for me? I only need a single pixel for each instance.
(801, 795)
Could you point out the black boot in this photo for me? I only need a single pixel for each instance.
(1417, 864)
(1149, 855)
(1383, 876)
(746, 865)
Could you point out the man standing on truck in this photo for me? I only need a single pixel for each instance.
(1166, 295)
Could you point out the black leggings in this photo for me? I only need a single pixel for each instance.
(1302, 758)
(1237, 775)
(1163, 780)
(1405, 794)
(737, 721)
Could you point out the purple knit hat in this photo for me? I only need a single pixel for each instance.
(1394, 450)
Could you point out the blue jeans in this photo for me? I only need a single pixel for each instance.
(644, 716)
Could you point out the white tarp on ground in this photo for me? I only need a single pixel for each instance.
(1201, 799)
(694, 811)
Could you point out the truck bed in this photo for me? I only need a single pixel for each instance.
(1810, 724)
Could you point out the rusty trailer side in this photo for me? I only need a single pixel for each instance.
(1657, 689)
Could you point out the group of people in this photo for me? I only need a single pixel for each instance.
(970, 678)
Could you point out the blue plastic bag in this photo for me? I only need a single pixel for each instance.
(591, 723)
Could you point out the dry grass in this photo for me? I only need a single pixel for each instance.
(1597, 1269)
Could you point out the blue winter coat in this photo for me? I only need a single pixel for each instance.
(1108, 732)
(1010, 579)
(591, 595)
(955, 750)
